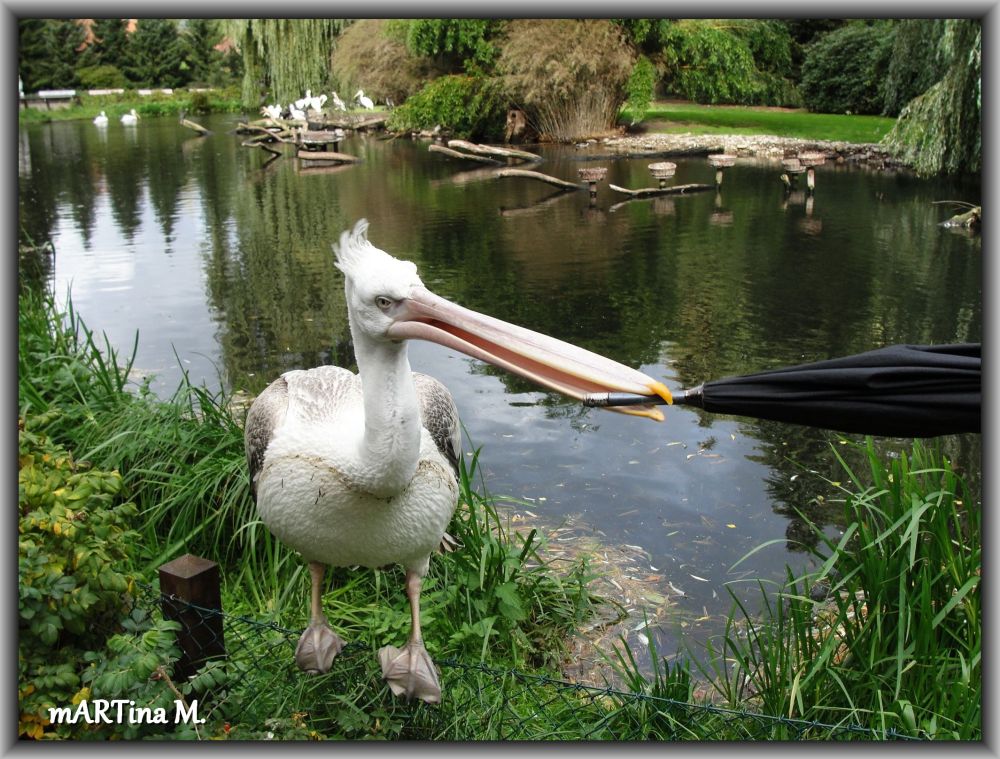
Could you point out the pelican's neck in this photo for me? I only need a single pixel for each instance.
(390, 447)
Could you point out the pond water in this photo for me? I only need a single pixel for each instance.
(222, 263)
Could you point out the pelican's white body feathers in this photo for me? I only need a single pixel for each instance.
(313, 485)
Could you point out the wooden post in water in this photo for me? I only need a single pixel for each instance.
(189, 586)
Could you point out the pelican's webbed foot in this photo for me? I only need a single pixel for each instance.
(317, 647)
(410, 672)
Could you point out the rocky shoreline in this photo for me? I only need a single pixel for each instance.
(761, 146)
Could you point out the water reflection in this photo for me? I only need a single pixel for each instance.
(219, 254)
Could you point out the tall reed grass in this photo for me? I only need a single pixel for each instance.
(887, 632)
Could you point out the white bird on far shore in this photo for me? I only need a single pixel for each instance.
(364, 100)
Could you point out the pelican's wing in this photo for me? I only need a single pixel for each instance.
(311, 397)
(440, 416)
(265, 415)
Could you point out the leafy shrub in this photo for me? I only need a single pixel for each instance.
(74, 547)
(368, 55)
(101, 77)
(200, 102)
(640, 88)
(845, 70)
(467, 106)
(569, 76)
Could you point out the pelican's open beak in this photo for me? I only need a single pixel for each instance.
(552, 363)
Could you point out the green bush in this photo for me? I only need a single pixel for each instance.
(101, 77)
(467, 106)
(74, 548)
(845, 71)
(640, 89)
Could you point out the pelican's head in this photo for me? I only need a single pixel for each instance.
(387, 301)
(376, 284)
(359, 94)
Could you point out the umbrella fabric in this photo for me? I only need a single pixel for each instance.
(900, 390)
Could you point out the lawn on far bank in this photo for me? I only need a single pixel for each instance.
(671, 118)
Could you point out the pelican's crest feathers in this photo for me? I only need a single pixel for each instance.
(356, 255)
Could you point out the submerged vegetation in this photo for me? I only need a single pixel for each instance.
(885, 634)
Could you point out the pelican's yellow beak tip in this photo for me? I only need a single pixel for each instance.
(661, 390)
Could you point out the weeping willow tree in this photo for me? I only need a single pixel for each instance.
(284, 56)
(940, 131)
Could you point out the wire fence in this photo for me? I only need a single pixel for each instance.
(272, 699)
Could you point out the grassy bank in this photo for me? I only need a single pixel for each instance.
(156, 104)
(782, 122)
(893, 641)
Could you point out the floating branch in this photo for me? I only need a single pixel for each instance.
(542, 178)
(466, 156)
(651, 191)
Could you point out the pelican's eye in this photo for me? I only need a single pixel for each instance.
(383, 302)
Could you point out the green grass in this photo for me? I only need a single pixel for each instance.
(719, 119)
(157, 104)
(903, 580)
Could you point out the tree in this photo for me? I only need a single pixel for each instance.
(283, 57)
(845, 70)
(707, 63)
(940, 131)
(34, 43)
(154, 54)
(67, 39)
(198, 40)
(461, 42)
(110, 45)
(916, 62)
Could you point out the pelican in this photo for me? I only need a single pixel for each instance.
(130, 118)
(303, 101)
(272, 111)
(316, 103)
(101, 119)
(294, 112)
(337, 102)
(360, 469)
(366, 102)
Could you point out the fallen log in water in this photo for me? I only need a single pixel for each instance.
(462, 156)
(489, 150)
(650, 191)
(326, 155)
(196, 127)
(542, 178)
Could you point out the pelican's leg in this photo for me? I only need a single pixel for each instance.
(409, 670)
(318, 644)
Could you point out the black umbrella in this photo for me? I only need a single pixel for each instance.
(899, 390)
